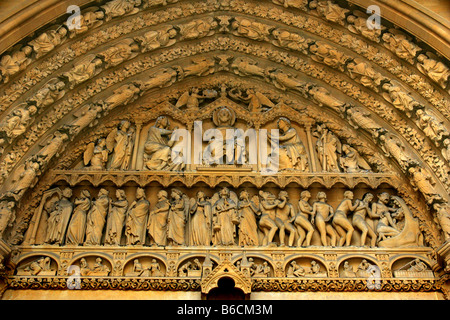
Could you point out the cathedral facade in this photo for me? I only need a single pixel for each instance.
(157, 148)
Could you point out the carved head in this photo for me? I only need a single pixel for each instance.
(348, 194)
(67, 193)
(305, 195)
(322, 196)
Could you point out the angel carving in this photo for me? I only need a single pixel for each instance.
(155, 39)
(257, 102)
(192, 99)
(198, 28)
(247, 67)
(95, 156)
(251, 29)
(120, 143)
(351, 161)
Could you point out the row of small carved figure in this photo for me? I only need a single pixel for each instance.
(194, 268)
(223, 220)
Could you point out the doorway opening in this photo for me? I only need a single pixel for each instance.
(226, 290)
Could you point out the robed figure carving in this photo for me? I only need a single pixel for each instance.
(59, 218)
(248, 209)
(328, 148)
(157, 221)
(116, 219)
(224, 217)
(77, 225)
(96, 218)
(292, 154)
(176, 221)
(136, 219)
(120, 143)
(158, 147)
(200, 221)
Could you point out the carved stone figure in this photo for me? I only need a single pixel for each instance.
(401, 46)
(285, 81)
(216, 151)
(295, 270)
(257, 102)
(323, 97)
(41, 266)
(251, 29)
(248, 209)
(358, 25)
(198, 28)
(290, 40)
(90, 18)
(331, 11)
(350, 160)
(422, 180)
(47, 41)
(155, 39)
(409, 234)
(52, 147)
(302, 222)
(329, 55)
(328, 148)
(96, 218)
(399, 97)
(267, 224)
(18, 60)
(285, 216)
(48, 94)
(117, 8)
(292, 152)
(58, 219)
(176, 220)
(322, 216)
(17, 122)
(247, 67)
(120, 52)
(87, 117)
(431, 126)
(161, 78)
(116, 219)
(225, 218)
(122, 96)
(347, 271)
(157, 222)
(158, 147)
(200, 66)
(7, 216)
(386, 226)
(77, 225)
(26, 177)
(359, 118)
(83, 70)
(300, 4)
(361, 213)
(340, 221)
(200, 221)
(365, 74)
(394, 148)
(120, 142)
(443, 217)
(192, 99)
(435, 70)
(95, 156)
(137, 219)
